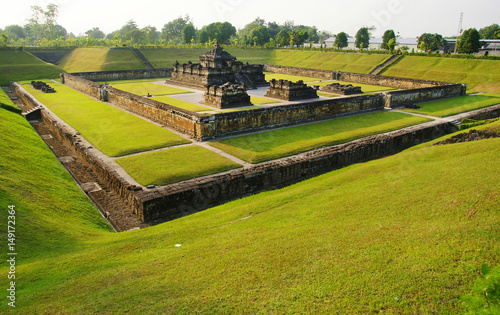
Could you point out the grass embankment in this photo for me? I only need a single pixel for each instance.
(100, 59)
(273, 144)
(480, 75)
(169, 166)
(348, 62)
(122, 59)
(143, 88)
(84, 60)
(109, 129)
(21, 65)
(403, 234)
(455, 105)
(53, 217)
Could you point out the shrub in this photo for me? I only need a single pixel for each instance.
(485, 296)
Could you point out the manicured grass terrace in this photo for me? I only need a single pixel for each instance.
(173, 165)
(143, 88)
(404, 234)
(273, 144)
(109, 129)
(455, 105)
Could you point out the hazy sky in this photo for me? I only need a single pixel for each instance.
(408, 17)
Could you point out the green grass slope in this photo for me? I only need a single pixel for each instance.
(21, 65)
(53, 216)
(100, 59)
(349, 62)
(403, 234)
(84, 60)
(480, 75)
(122, 59)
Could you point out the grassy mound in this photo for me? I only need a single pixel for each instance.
(273, 144)
(480, 75)
(122, 59)
(109, 129)
(84, 60)
(100, 59)
(21, 65)
(53, 216)
(349, 62)
(403, 234)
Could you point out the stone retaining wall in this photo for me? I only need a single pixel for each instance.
(183, 198)
(394, 82)
(204, 127)
(124, 74)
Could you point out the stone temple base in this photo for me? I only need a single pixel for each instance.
(290, 91)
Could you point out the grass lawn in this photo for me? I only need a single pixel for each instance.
(366, 88)
(143, 88)
(328, 94)
(151, 80)
(347, 62)
(109, 129)
(262, 100)
(289, 77)
(455, 105)
(21, 65)
(84, 60)
(480, 75)
(406, 234)
(279, 143)
(181, 104)
(122, 59)
(53, 216)
(174, 165)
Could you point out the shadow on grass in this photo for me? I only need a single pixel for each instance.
(11, 109)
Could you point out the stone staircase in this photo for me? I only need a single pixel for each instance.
(244, 79)
(384, 65)
(143, 58)
(33, 113)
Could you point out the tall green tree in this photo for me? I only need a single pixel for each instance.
(468, 43)
(14, 32)
(220, 32)
(340, 40)
(151, 33)
(388, 35)
(283, 37)
(260, 35)
(42, 23)
(431, 42)
(488, 32)
(363, 38)
(188, 33)
(95, 33)
(172, 31)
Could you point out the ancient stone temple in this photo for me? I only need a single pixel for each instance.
(218, 67)
(337, 88)
(290, 91)
(226, 96)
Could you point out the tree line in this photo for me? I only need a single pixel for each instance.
(43, 30)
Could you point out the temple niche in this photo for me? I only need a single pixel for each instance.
(218, 67)
(290, 91)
